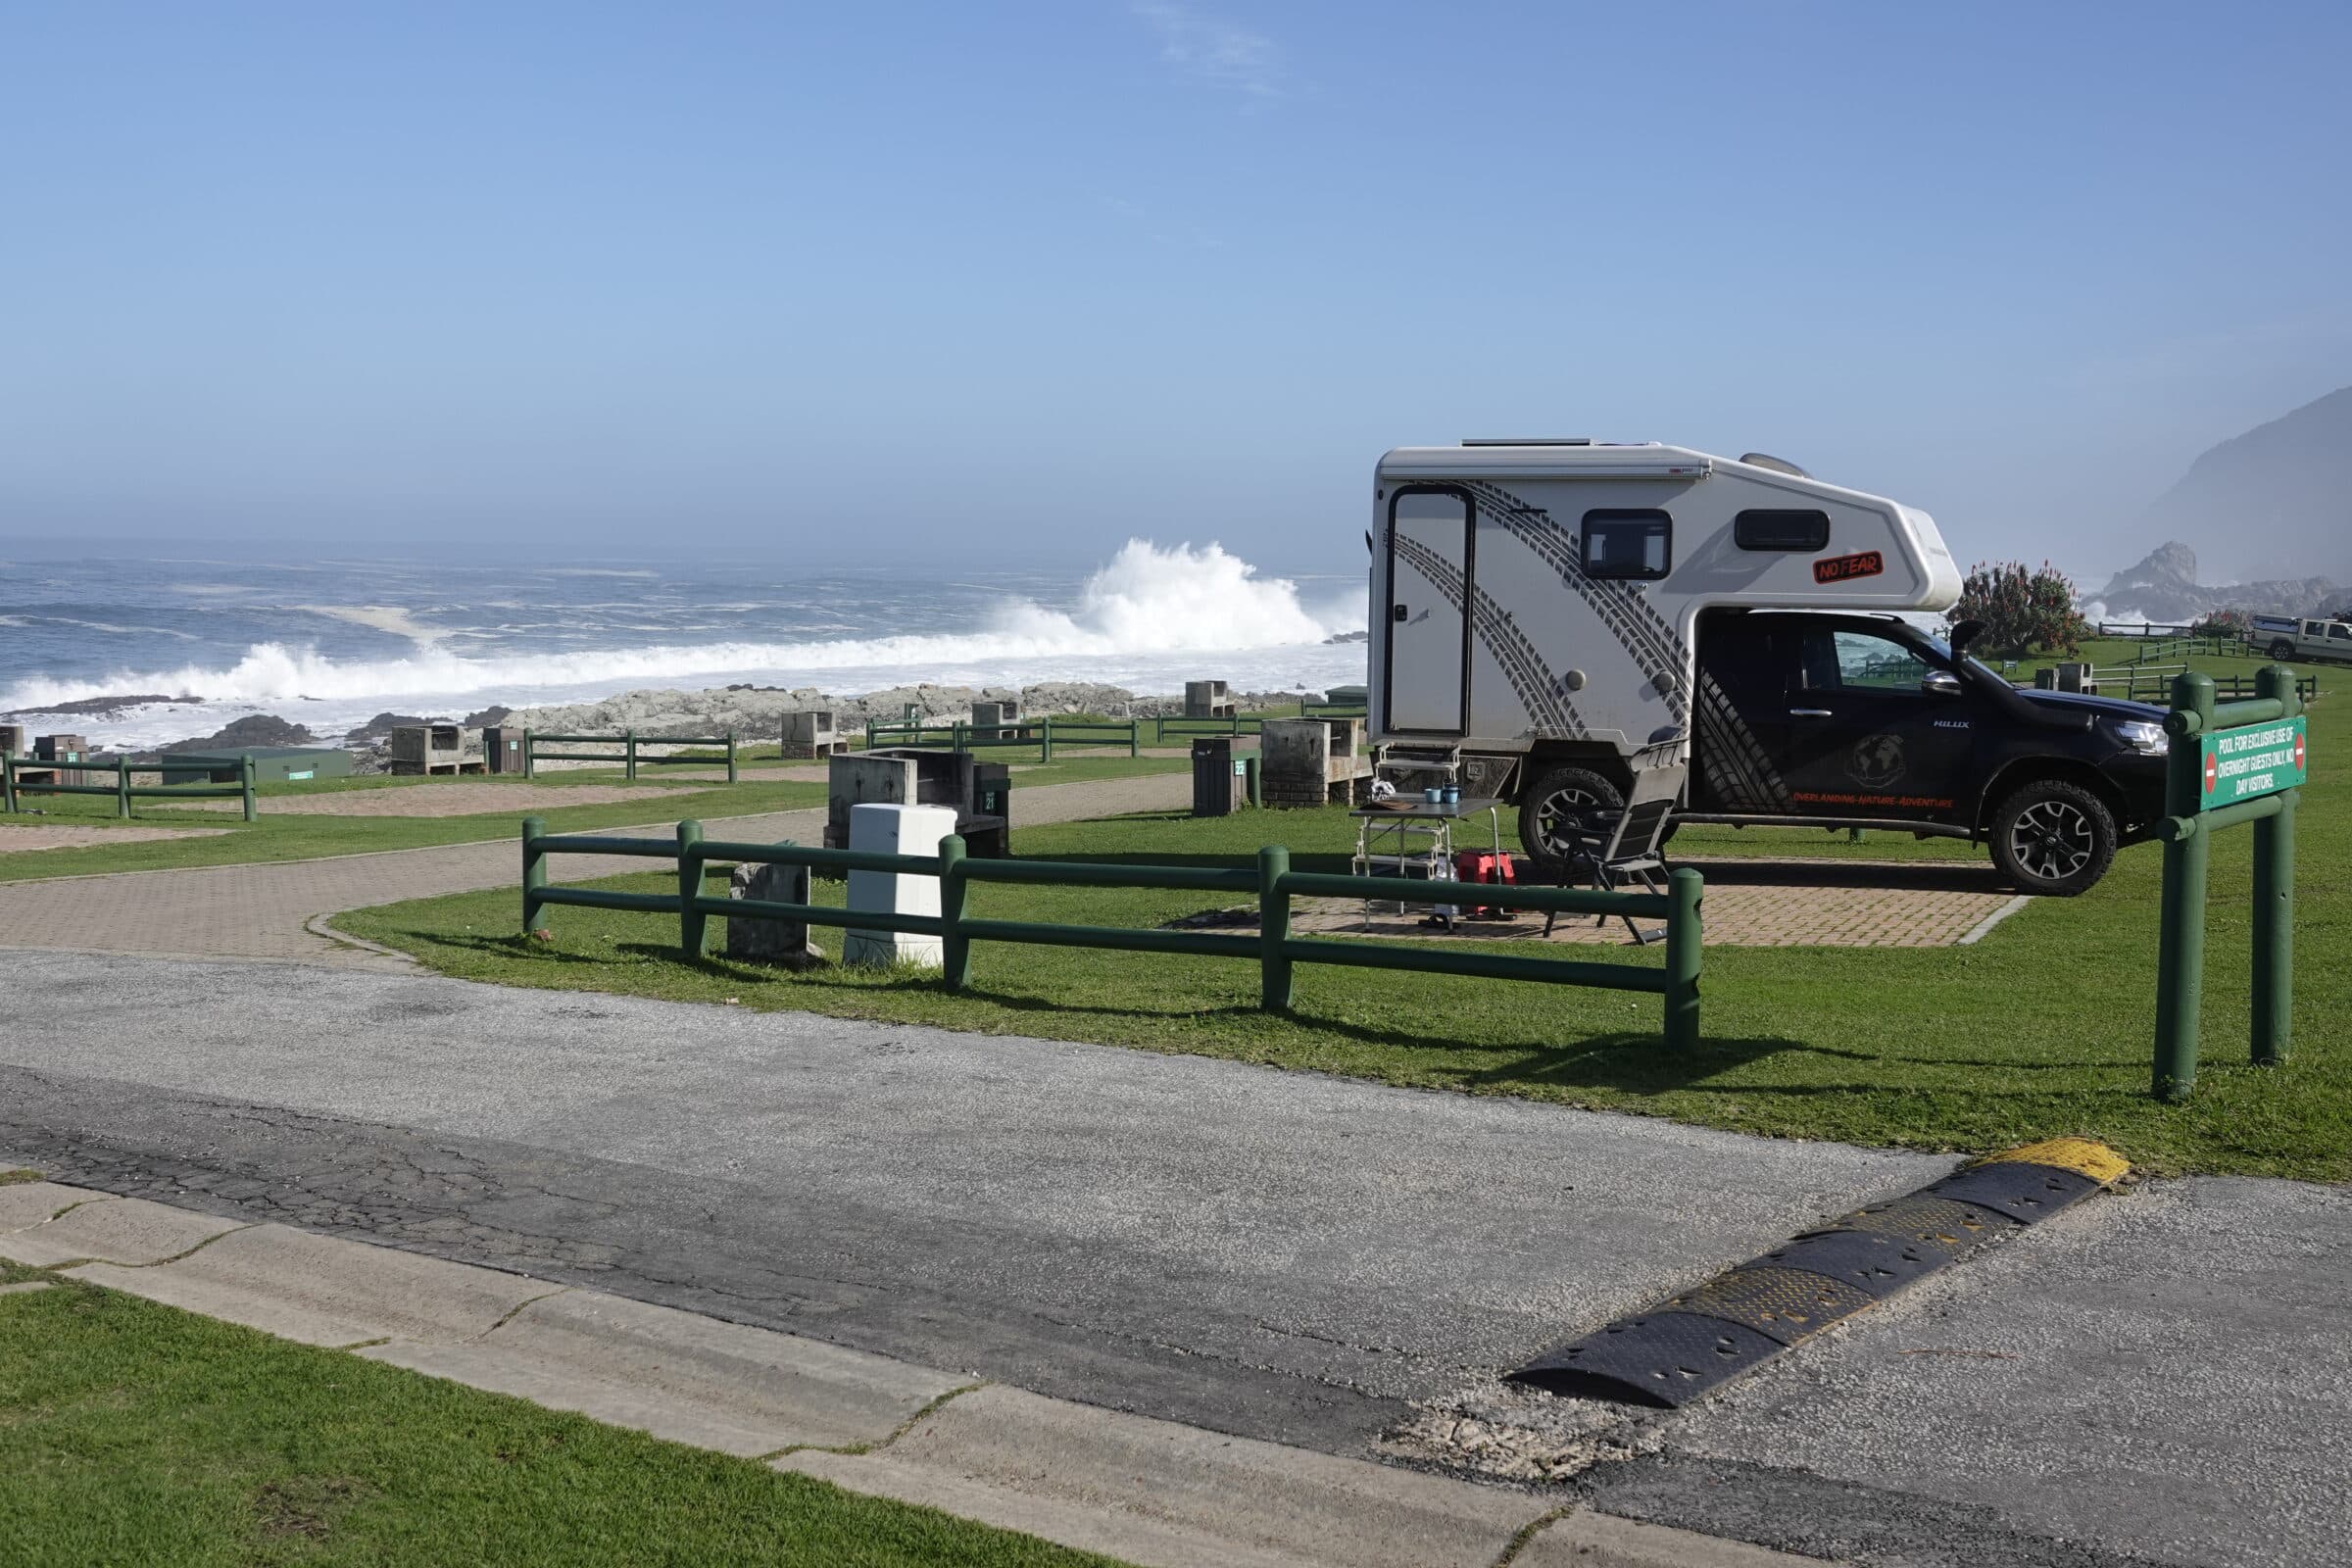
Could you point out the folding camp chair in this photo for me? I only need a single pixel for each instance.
(1624, 847)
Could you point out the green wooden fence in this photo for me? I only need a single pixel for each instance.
(1274, 949)
(2154, 684)
(1042, 735)
(121, 789)
(630, 756)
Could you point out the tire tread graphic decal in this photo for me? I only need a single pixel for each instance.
(1737, 769)
(1619, 606)
(1539, 693)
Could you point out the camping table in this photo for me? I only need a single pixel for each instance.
(1402, 825)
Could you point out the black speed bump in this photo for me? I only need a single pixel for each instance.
(1690, 1343)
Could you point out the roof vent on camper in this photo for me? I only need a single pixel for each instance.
(1528, 441)
(1765, 459)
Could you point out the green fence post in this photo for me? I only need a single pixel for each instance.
(1274, 987)
(1684, 947)
(1045, 742)
(245, 773)
(2180, 942)
(955, 949)
(730, 757)
(530, 765)
(958, 737)
(1134, 738)
(122, 786)
(8, 783)
(693, 924)
(1253, 777)
(534, 870)
(628, 741)
(2274, 898)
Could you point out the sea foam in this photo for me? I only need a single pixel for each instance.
(1150, 611)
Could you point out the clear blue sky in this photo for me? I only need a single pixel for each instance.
(847, 279)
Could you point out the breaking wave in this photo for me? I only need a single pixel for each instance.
(1146, 600)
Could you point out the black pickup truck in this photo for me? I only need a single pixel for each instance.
(1809, 719)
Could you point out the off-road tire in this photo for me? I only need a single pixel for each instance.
(1580, 789)
(2052, 839)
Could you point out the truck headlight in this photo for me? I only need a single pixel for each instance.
(2143, 737)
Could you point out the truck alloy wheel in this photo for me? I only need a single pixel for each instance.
(1561, 802)
(2283, 650)
(2053, 838)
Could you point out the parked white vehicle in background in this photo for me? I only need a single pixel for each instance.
(2285, 637)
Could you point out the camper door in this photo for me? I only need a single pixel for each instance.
(1430, 572)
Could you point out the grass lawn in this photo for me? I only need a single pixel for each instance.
(301, 837)
(2043, 1028)
(133, 1433)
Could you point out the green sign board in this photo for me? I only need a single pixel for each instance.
(2250, 760)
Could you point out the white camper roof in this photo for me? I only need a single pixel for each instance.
(1576, 457)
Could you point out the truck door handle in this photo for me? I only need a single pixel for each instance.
(1810, 712)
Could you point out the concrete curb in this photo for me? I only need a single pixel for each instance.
(323, 925)
(96, 1227)
(1164, 1495)
(742, 1391)
(1152, 1493)
(321, 1290)
(1983, 928)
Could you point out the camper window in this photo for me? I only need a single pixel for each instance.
(1628, 544)
(1780, 530)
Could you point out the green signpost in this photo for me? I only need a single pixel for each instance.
(2252, 760)
(2246, 766)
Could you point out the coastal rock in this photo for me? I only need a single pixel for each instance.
(2164, 587)
(495, 714)
(257, 730)
(756, 712)
(102, 707)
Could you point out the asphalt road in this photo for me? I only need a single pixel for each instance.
(1306, 1259)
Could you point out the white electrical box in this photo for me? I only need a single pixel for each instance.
(877, 828)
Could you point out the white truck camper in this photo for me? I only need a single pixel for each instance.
(1538, 603)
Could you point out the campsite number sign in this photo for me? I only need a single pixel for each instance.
(2251, 761)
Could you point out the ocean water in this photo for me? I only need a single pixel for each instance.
(329, 643)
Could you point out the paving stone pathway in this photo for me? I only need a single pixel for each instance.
(272, 910)
(1749, 904)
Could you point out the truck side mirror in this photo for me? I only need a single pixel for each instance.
(1939, 683)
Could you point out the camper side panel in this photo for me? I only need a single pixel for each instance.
(1583, 595)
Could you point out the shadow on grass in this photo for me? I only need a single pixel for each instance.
(1631, 1063)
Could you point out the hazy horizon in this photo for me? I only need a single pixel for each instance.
(976, 284)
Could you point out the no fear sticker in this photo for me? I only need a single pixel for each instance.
(1844, 568)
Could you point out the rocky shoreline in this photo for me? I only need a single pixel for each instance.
(756, 712)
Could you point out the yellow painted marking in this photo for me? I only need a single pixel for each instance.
(2082, 1155)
